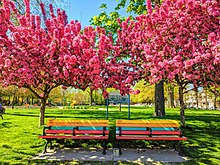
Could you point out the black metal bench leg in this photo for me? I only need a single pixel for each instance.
(51, 146)
(119, 147)
(45, 148)
(179, 149)
(104, 147)
(174, 145)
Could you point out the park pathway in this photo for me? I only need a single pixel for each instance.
(130, 155)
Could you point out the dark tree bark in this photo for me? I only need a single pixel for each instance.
(32, 100)
(215, 101)
(13, 101)
(46, 91)
(159, 99)
(120, 106)
(42, 110)
(197, 98)
(9, 100)
(170, 89)
(216, 94)
(91, 95)
(206, 100)
(182, 106)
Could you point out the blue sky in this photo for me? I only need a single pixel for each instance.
(84, 10)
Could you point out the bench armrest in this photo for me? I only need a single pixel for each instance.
(45, 128)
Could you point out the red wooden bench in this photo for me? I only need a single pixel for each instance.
(158, 130)
(76, 130)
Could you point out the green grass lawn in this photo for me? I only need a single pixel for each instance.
(19, 129)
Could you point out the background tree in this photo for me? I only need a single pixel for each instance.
(41, 59)
(90, 91)
(216, 92)
(173, 47)
(146, 94)
(171, 95)
(108, 21)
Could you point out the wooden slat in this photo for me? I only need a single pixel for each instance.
(135, 132)
(166, 133)
(74, 137)
(98, 128)
(147, 123)
(77, 122)
(150, 125)
(149, 138)
(148, 133)
(76, 132)
(59, 131)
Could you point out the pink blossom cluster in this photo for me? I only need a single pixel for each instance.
(178, 40)
(60, 53)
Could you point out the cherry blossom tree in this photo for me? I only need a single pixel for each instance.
(178, 41)
(41, 58)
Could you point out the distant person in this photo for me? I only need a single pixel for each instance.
(2, 110)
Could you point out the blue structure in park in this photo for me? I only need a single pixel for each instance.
(116, 98)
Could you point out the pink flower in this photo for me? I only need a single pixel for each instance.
(64, 87)
(212, 37)
(188, 63)
(149, 6)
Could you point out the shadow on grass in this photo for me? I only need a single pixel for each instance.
(20, 114)
(6, 125)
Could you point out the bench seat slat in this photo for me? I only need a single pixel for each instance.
(144, 129)
(152, 133)
(78, 122)
(149, 138)
(73, 137)
(76, 132)
(145, 121)
(80, 128)
(150, 125)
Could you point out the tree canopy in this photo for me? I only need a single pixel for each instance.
(178, 41)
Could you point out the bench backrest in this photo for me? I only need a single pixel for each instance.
(147, 123)
(79, 124)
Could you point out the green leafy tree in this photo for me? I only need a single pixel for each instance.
(146, 94)
(216, 92)
(109, 22)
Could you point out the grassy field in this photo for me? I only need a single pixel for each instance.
(19, 131)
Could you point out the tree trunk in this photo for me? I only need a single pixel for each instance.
(32, 100)
(95, 97)
(206, 100)
(215, 98)
(197, 99)
(159, 99)
(9, 100)
(22, 100)
(27, 100)
(42, 110)
(182, 106)
(91, 96)
(13, 102)
(171, 95)
(120, 106)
